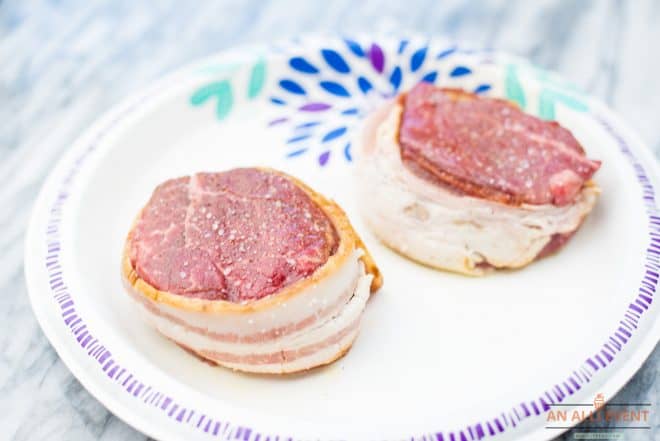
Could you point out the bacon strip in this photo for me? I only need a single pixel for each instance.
(434, 222)
(258, 337)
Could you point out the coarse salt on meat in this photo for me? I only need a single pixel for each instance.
(490, 149)
(276, 235)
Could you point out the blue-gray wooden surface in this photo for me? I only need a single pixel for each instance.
(62, 63)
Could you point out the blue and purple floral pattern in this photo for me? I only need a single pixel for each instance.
(325, 93)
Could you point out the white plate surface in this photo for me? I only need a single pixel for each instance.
(439, 356)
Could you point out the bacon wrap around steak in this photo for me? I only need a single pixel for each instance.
(470, 184)
(250, 269)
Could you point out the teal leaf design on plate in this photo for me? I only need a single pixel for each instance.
(549, 97)
(257, 79)
(546, 106)
(221, 90)
(555, 82)
(514, 90)
(570, 101)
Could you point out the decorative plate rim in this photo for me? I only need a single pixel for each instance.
(37, 276)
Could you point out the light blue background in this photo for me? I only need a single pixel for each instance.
(63, 63)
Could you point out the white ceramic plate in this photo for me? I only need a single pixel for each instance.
(440, 356)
